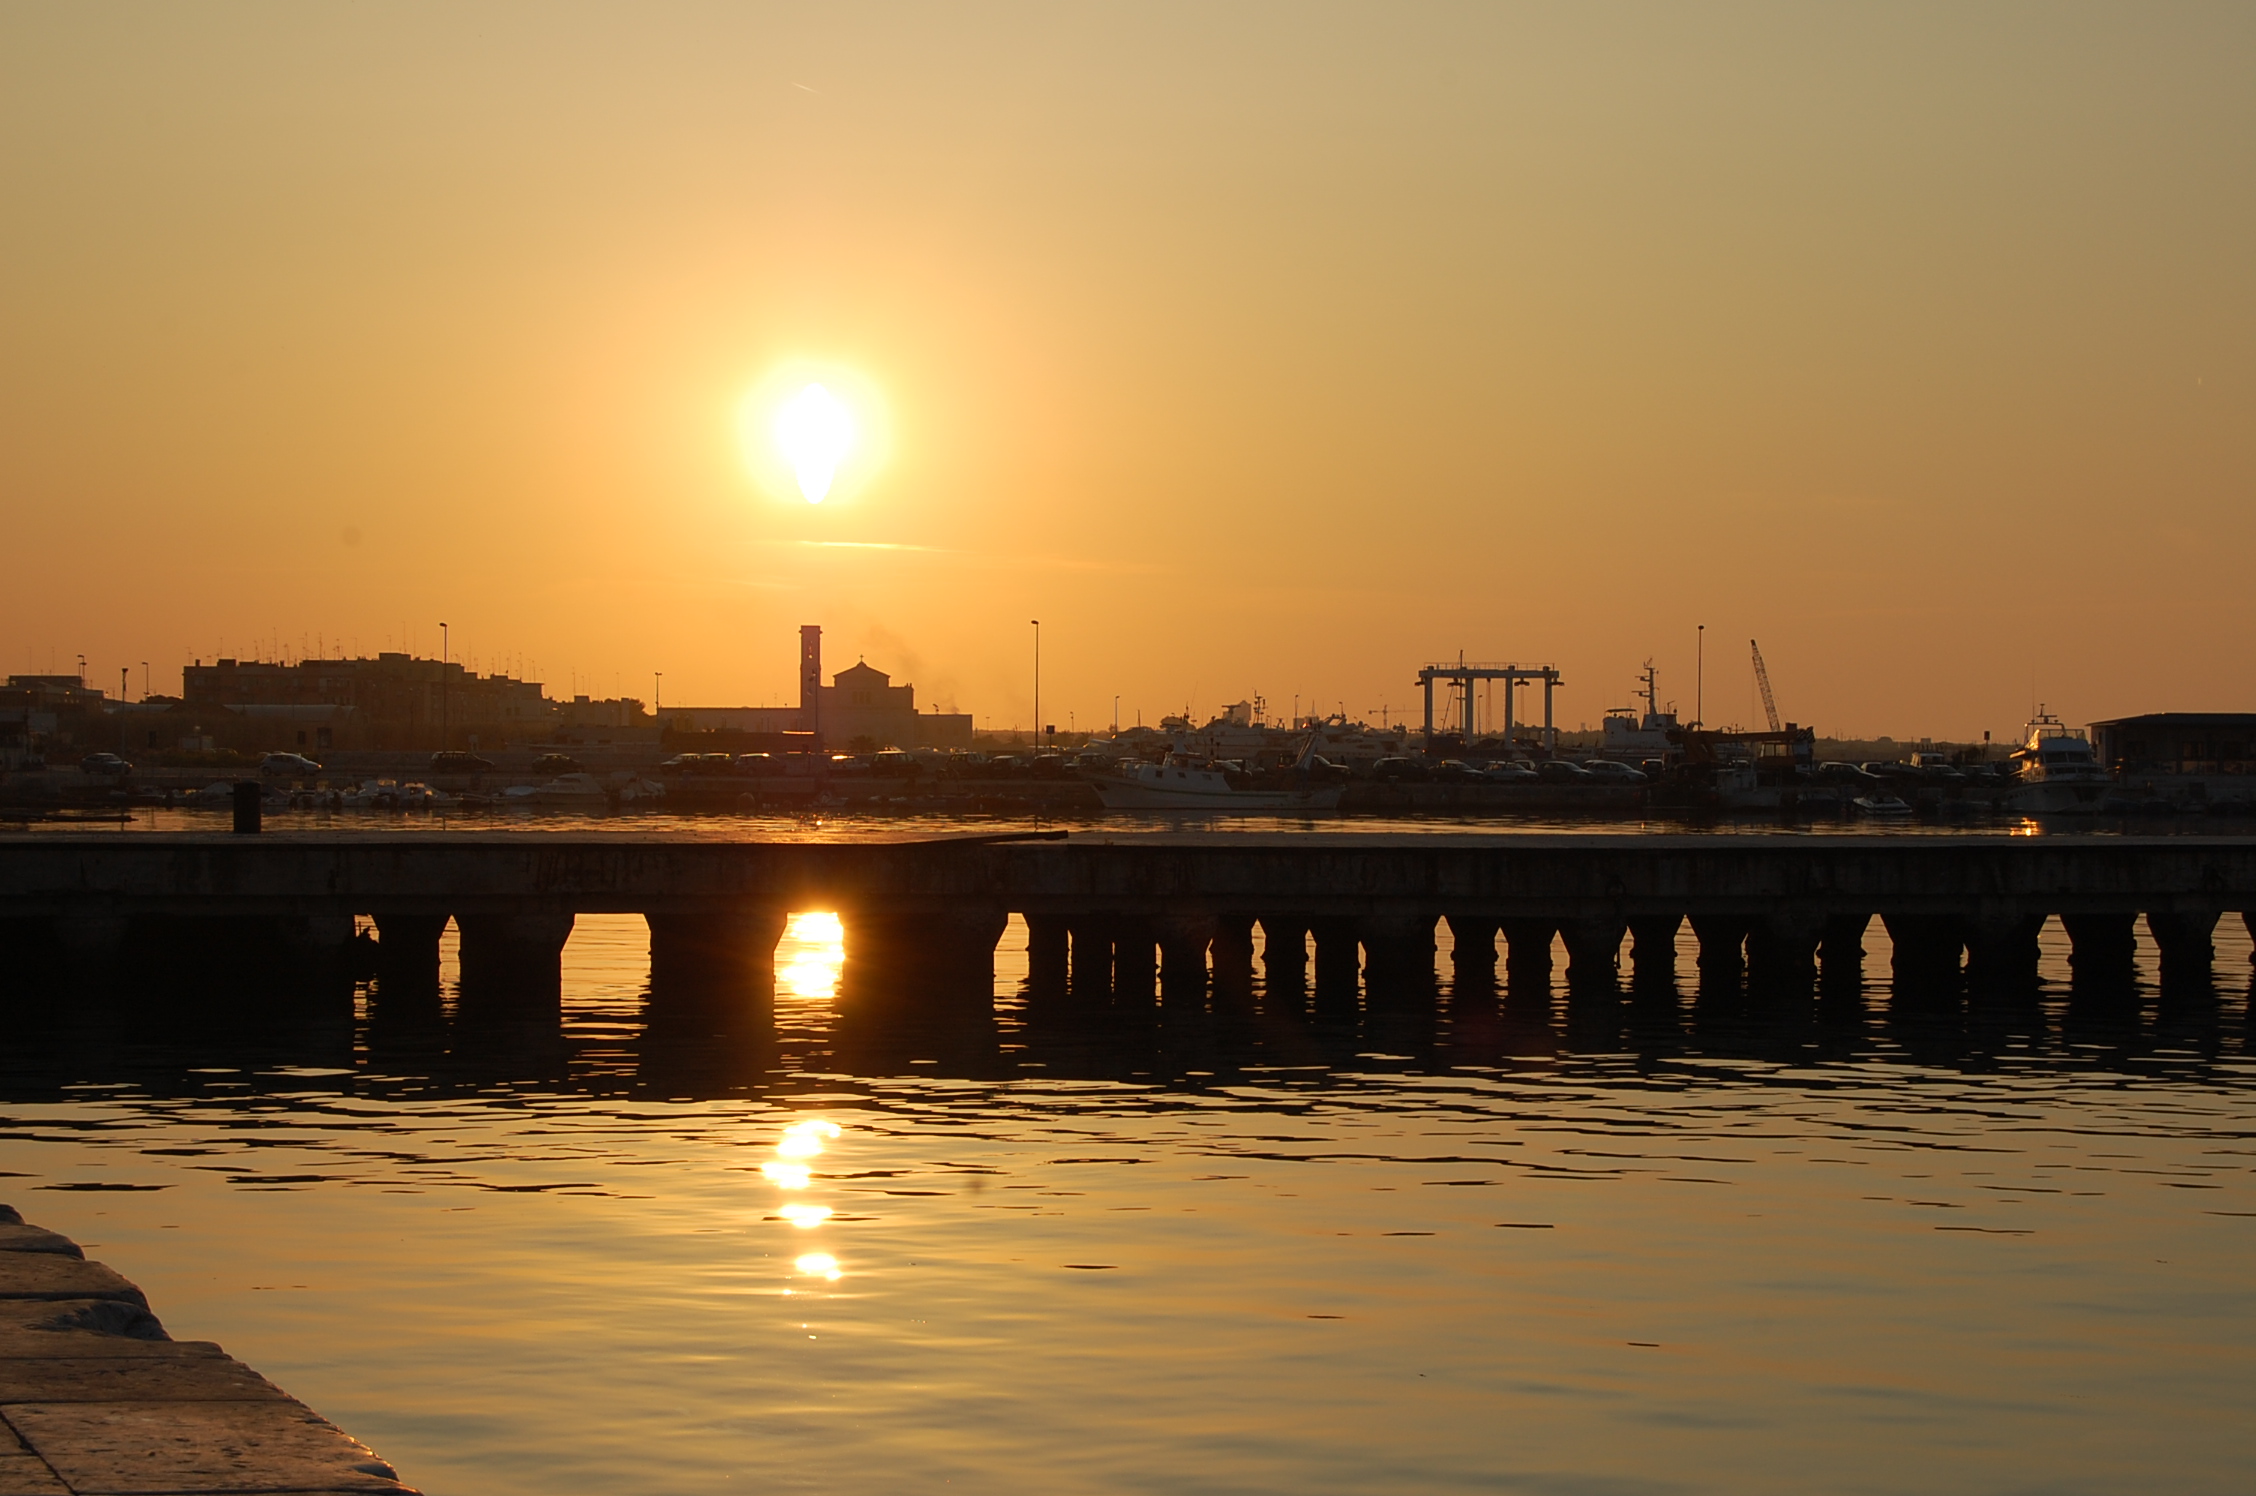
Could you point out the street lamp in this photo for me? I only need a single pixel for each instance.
(443, 647)
(1037, 683)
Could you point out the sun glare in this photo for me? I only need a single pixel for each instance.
(810, 956)
(815, 432)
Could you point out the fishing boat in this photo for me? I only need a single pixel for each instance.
(2060, 775)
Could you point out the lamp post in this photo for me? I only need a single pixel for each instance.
(443, 656)
(144, 680)
(1037, 684)
(1700, 678)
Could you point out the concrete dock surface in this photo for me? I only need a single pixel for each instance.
(96, 1400)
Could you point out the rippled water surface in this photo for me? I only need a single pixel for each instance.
(1654, 1242)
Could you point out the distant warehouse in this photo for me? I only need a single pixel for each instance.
(2178, 743)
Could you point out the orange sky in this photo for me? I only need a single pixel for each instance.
(1254, 349)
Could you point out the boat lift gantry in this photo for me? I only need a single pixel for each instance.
(1462, 676)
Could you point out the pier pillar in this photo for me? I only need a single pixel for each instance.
(1048, 954)
(2002, 952)
(407, 949)
(1284, 959)
(1840, 950)
(1135, 967)
(730, 950)
(1782, 948)
(1183, 939)
(93, 945)
(1527, 948)
(1233, 961)
(1091, 975)
(1927, 949)
(1593, 949)
(1398, 960)
(1652, 949)
(513, 953)
(1338, 965)
(2102, 946)
(1723, 938)
(923, 958)
(1472, 953)
(2184, 940)
(712, 978)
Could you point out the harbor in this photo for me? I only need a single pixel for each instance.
(1485, 750)
(860, 745)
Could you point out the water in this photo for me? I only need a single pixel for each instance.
(1671, 1243)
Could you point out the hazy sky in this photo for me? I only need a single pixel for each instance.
(1253, 349)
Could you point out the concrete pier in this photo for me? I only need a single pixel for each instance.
(1116, 918)
(96, 1400)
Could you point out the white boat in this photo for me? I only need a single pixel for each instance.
(565, 792)
(1625, 737)
(1184, 783)
(1881, 805)
(386, 794)
(583, 792)
(2060, 775)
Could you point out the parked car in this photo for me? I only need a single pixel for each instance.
(1455, 771)
(1562, 771)
(288, 764)
(553, 764)
(105, 763)
(455, 761)
(1510, 773)
(1611, 772)
(1399, 771)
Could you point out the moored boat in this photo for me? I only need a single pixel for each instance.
(1182, 782)
(2060, 775)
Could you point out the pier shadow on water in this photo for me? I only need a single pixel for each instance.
(606, 1024)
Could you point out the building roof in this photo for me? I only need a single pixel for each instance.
(2246, 720)
(861, 674)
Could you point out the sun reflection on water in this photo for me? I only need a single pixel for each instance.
(789, 1170)
(809, 957)
(818, 1265)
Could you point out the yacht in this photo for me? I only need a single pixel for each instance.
(2060, 775)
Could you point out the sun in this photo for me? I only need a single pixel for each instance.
(816, 433)
(813, 432)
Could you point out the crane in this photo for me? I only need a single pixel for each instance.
(1762, 679)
